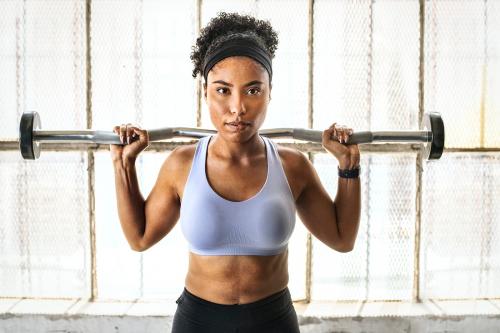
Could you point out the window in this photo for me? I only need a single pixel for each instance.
(428, 229)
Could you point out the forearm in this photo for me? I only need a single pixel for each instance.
(130, 202)
(348, 209)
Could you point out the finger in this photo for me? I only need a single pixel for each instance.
(123, 132)
(336, 132)
(328, 135)
(340, 134)
(139, 133)
(343, 134)
(331, 130)
(349, 133)
(130, 130)
(116, 130)
(346, 135)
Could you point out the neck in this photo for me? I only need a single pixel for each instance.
(236, 151)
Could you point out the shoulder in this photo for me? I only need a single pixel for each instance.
(177, 164)
(181, 155)
(297, 167)
(292, 157)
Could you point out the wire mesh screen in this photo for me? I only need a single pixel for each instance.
(366, 71)
(366, 63)
(460, 255)
(141, 72)
(366, 60)
(44, 235)
(42, 63)
(461, 62)
(381, 264)
(156, 273)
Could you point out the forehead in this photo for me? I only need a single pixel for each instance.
(238, 68)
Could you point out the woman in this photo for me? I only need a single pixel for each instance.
(236, 193)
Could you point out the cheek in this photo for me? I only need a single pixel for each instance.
(215, 104)
(216, 111)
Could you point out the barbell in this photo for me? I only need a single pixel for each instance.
(431, 137)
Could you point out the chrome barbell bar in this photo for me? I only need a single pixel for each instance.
(105, 137)
(31, 136)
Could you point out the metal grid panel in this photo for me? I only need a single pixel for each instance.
(42, 63)
(381, 265)
(458, 53)
(11, 44)
(366, 60)
(461, 77)
(395, 72)
(342, 63)
(288, 107)
(44, 237)
(492, 68)
(156, 273)
(461, 227)
(140, 63)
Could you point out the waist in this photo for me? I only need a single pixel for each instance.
(277, 299)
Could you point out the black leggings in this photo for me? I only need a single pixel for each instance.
(274, 313)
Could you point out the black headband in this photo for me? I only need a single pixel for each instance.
(238, 48)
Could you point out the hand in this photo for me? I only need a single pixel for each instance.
(347, 154)
(134, 139)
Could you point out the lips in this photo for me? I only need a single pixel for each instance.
(238, 125)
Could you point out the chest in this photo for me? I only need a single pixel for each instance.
(236, 181)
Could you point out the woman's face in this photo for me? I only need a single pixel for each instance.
(237, 94)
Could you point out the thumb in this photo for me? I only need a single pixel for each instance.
(141, 133)
(327, 134)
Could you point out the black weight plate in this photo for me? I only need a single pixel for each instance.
(30, 149)
(434, 123)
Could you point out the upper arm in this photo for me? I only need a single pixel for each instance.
(314, 205)
(162, 206)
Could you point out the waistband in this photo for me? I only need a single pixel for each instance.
(285, 293)
(253, 314)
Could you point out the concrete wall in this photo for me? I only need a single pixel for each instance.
(135, 324)
(76, 315)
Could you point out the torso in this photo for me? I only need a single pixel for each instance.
(237, 279)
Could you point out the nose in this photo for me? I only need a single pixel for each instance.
(237, 105)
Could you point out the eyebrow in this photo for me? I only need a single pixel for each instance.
(246, 85)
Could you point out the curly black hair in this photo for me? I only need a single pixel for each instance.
(228, 26)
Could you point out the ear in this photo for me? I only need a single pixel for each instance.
(204, 91)
(270, 90)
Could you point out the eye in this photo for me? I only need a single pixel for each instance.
(253, 91)
(221, 90)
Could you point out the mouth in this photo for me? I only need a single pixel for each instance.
(238, 125)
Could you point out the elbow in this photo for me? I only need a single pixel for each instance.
(343, 247)
(138, 246)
